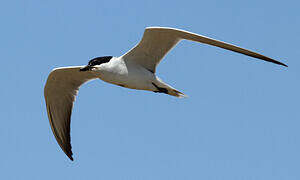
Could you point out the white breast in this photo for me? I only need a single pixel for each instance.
(127, 74)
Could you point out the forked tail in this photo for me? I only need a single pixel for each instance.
(174, 92)
(168, 90)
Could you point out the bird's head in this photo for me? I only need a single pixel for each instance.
(94, 63)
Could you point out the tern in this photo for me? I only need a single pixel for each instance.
(135, 70)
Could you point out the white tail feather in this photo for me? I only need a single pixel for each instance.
(174, 92)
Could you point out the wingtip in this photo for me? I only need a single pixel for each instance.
(69, 153)
(276, 62)
(282, 64)
(285, 65)
(70, 157)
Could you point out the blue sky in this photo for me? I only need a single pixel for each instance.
(241, 120)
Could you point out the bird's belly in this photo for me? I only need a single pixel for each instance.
(129, 79)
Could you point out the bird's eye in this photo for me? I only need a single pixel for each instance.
(92, 63)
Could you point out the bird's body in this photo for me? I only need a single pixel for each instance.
(131, 75)
(126, 74)
(135, 70)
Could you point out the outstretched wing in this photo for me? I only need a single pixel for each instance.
(158, 41)
(60, 92)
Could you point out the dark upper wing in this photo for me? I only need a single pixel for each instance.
(158, 41)
(60, 92)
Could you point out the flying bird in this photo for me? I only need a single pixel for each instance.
(135, 70)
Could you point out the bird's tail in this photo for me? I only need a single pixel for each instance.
(162, 87)
(176, 93)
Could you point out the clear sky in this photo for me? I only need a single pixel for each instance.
(240, 122)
